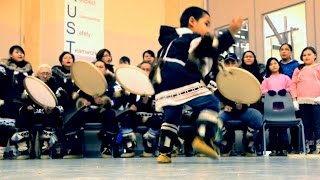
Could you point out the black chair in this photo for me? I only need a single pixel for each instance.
(279, 111)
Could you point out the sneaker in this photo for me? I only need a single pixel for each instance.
(201, 146)
(251, 150)
(164, 158)
(106, 153)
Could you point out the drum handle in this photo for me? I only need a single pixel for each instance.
(75, 95)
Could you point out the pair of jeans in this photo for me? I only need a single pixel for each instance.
(310, 115)
(251, 117)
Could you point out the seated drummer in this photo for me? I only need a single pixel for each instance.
(62, 75)
(95, 109)
(13, 112)
(148, 117)
(49, 118)
(235, 111)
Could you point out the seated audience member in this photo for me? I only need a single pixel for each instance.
(236, 111)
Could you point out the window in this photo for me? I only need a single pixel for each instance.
(287, 25)
(241, 39)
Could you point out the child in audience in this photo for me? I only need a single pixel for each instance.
(276, 82)
(305, 91)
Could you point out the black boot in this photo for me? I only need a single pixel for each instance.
(107, 143)
(73, 145)
(168, 137)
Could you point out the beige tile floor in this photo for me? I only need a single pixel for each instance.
(181, 168)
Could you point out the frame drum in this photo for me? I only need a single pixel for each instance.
(88, 78)
(134, 80)
(239, 85)
(39, 92)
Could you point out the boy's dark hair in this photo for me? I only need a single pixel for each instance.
(100, 53)
(124, 59)
(268, 72)
(193, 11)
(64, 53)
(19, 48)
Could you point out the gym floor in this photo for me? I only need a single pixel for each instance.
(264, 167)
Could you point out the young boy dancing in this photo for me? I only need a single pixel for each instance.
(188, 54)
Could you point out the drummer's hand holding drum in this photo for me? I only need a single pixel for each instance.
(102, 100)
(24, 95)
(133, 108)
(82, 102)
(48, 110)
(30, 108)
(227, 108)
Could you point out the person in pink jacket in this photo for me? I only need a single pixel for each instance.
(276, 82)
(305, 91)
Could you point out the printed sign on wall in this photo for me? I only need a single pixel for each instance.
(84, 27)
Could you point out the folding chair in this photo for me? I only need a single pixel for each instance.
(279, 111)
